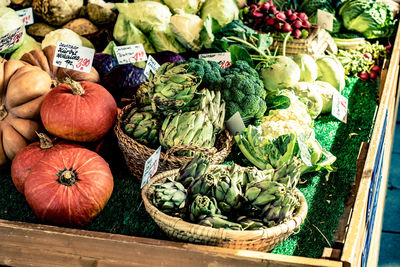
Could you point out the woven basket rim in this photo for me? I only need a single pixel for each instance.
(148, 150)
(180, 224)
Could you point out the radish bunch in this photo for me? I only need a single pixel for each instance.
(267, 18)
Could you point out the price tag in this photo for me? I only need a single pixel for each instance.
(11, 38)
(235, 124)
(73, 57)
(150, 167)
(26, 15)
(339, 107)
(325, 20)
(152, 65)
(130, 53)
(223, 59)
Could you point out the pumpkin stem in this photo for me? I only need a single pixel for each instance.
(3, 112)
(44, 140)
(67, 178)
(76, 87)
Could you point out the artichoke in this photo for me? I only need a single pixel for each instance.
(250, 224)
(170, 89)
(281, 209)
(261, 193)
(193, 169)
(188, 128)
(228, 192)
(219, 221)
(143, 126)
(289, 174)
(170, 198)
(203, 185)
(202, 205)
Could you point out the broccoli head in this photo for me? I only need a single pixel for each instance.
(209, 71)
(241, 66)
(245, 93)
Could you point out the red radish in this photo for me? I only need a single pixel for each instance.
(273, 10)
(367, 55)
(306, 24)
(271, 3)
(277, 26)
(373, 75)
(302, 16)
(265, 6)
(297, 24)
(363, 75)
(287, 28)
(288, 12)
(292, 17)
(257, 14)
(269, 21)
(297, 33)
(253, 7)
(388, 49)
(280, 16)
(376, 68)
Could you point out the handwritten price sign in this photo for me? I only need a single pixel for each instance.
(73, 57)
(223, 59)
(11, 38)
(339, 107)
(150, 167)
(130, 53)
(26, 15)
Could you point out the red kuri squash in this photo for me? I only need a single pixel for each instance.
(78, 111)
(69, 186)
(30, 155)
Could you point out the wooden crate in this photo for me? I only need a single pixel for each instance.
(356, 240)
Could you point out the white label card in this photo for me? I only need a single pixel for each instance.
(11, 38)
(26, 15)
(325, 20)
(339, 107)
(150, 167)
(223, 59)
(73, 57)
(130, 53)
(235, 124)
(152, 65)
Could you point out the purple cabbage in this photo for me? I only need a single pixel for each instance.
(123, 80)
(103, 63)
(167, 56)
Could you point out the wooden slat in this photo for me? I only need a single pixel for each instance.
(23, 244)
(355, 239)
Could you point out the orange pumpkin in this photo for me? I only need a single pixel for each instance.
(22, 90)
(44, 60)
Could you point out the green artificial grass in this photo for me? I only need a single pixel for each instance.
(124, 213)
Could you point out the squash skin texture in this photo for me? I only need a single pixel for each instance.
(22, 90)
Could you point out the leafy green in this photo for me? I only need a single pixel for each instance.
(369, 17)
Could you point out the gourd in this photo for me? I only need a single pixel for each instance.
(30, 155)
(44, 60)
(22, 90)
(69, 186)
(79, 111)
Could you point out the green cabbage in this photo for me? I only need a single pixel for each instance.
(9, 21)
(145, 15)
(224, 11)
(126, 33)
(188, 6)
(310, 96)
(330, 70)
(369, 17)
(163, 39)
(187, 29)
(28, 45)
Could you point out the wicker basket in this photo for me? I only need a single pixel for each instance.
(136, 154)
(259, 240)
(314, 45)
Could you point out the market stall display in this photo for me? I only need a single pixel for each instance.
(276, 97)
